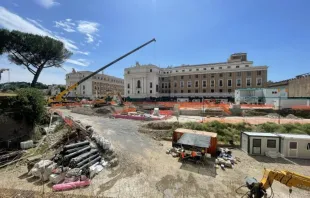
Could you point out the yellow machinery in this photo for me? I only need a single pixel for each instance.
(290, 179)
(60, 98)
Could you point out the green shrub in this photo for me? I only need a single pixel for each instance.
(30, 102)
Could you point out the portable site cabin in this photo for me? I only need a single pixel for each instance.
(258, 143)
(189, 139)
(288, 145)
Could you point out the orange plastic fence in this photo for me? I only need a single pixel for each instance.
(255, 106)
(301, 107)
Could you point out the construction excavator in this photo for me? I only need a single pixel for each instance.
(60, 98)
(290, 179)
(106, 100)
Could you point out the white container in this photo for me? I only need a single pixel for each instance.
(26, 145)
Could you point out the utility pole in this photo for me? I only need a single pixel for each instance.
(279, 108)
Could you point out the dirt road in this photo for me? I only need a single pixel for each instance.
(145, 169)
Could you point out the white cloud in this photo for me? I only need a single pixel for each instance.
(47, 3)
(80, 52)
(80, 62)
(66, 25)
(12, 21)
(89, 29)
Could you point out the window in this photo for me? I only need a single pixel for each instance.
(246, 65)
(182, 77)
(229, 74)
(204, 76)
(190, 69)
(181, 91)
(221, 90)
(229, 90)
(238, 82)
(271, 144)
(221, 75)
(183, 70)
(221, 83)
(162, 85)
(212, 68)
(169, 85)
(229, 83)
(204, 90)
(258, 81)
(150, 70)
(156, 88)
(175, 84)
(189, 83)
(212, 75)
(308, 146)
(83, 92)
(204, 83)
(248, 82)
(181, 83)
(212, 83)
(83, 87)
(228, 67)
(151, 85)
(259, 73)
(293, 145)
(196, 90)
(174, 77)
(175, 91)
(256, 142)
(166, 85)
(139, 84)
(162, 79)
(128, 72)
(196, 83)
(138, 92)
(204, 68)
(150, 91)
(212, 90)
(238, 74)
(197, 69)
(237, 66)
(220, 68)
(248, 73)
(189, 91)
(189, 77)
(196, 76)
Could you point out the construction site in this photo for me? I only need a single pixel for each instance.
(211, 130)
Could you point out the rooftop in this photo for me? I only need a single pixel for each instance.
(295, 136)
(204, 133)
(261, 134)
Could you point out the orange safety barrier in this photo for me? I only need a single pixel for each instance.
(256, 106)
(301, 107)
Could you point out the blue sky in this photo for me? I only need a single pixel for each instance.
(273, 33)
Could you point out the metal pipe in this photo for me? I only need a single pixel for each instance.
(87, 160)
(70, 146)
(91, 163)
(66, 157)
(74, 149)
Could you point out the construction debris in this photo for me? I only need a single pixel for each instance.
(225, 159)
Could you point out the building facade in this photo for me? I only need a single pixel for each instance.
(204, 80)
(95, 87)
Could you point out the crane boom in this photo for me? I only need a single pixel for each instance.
(59, 97)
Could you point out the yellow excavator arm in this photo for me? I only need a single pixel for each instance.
(287, 178)
(290, 179)
(60, 97)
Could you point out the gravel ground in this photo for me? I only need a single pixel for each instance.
(145, 169)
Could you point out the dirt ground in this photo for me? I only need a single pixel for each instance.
(145, 169)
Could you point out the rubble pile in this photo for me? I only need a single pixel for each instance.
(225, 159)
(80, 155)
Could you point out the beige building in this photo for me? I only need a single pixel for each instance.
(95, 87)
(204, 80)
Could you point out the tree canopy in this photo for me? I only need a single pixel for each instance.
(32, 51)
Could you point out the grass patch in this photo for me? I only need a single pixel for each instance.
(231, 132)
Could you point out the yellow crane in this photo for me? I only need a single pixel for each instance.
(60, 98)
(288, 178)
